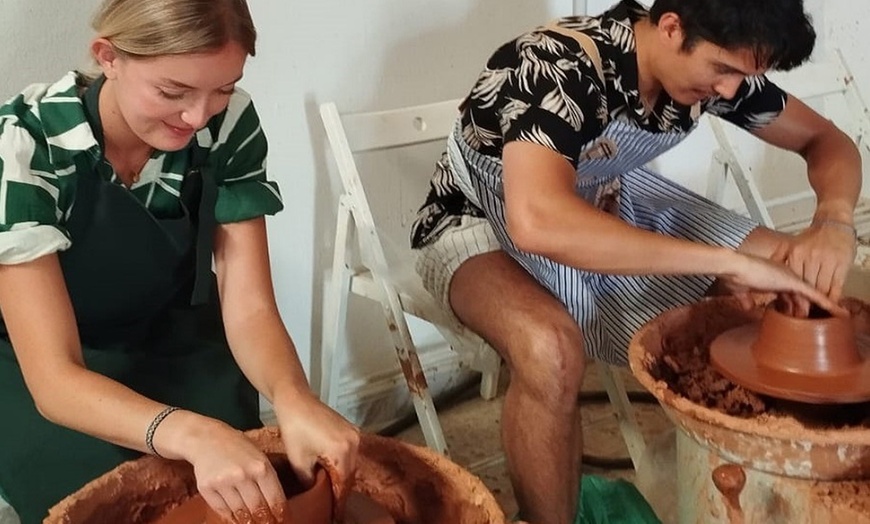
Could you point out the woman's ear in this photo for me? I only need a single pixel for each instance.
(105, 55)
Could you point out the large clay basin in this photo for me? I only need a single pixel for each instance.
(769, 443)
(414, 484)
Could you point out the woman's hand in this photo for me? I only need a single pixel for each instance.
(233, 476)
(751, 273)
(315, 434)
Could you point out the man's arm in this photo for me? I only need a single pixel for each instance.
(824, 252)
(833, 161)
(546, 217)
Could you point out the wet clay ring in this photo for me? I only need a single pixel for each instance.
(262, 515)
(243, 516)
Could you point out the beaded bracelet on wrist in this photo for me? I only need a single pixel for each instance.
(149, 433)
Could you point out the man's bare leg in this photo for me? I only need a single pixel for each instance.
(543, 348)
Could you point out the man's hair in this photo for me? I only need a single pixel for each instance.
(779, 32)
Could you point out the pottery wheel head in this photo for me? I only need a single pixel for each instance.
(812, 360)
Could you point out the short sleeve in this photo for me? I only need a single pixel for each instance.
(757, 103)
(29, 198)
(238, 159)
(554, 97)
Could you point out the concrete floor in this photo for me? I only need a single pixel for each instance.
(471, 427)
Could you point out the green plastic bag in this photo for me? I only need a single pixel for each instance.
(609, 501)
(612, 501)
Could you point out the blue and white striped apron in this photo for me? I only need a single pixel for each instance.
(611, 308)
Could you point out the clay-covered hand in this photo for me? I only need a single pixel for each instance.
(822, 255)
(234, 477)
(751, 273)
(315, 434)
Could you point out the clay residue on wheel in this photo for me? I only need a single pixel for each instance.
(850, 501)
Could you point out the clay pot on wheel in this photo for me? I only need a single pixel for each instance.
(313, 505)
(818, 359)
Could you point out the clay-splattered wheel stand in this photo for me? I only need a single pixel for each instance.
(792, 466)
(414, 484)
(816, 360)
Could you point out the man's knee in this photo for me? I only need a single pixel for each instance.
(548, 362)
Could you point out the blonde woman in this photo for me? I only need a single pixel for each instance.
(117, 190)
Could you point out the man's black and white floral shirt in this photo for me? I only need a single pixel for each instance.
(544, 88)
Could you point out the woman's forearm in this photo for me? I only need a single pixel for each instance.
(266, 354)
(41, 325)
(256, 334)
(103, 408)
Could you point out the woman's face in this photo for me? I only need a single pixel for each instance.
(165, 100)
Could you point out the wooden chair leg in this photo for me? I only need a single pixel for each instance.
(412, 370)
(490, 371)
(335, 311)
(628, 426)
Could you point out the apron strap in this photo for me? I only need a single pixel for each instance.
(591, 48)
(586, 43)
(198, 175)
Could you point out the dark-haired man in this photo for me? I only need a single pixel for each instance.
(544, 233)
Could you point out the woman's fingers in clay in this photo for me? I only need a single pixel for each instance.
(266, 515)
(794, 305)
(265, 494)
(218, 504)
(240, 512)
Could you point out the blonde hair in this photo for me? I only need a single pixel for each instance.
(149, 28)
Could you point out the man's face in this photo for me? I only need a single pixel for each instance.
(165, 100)
(707, 70)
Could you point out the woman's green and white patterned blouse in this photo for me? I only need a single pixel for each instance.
(44, 130)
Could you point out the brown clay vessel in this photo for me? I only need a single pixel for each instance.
(313, 505)
(816, 360)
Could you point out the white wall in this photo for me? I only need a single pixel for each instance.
(31, 53)
(362, 55)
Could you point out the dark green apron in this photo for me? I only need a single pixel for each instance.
(149, 317)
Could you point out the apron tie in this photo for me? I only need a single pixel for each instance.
(206, 223)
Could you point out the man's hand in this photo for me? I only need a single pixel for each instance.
(822, 256)
(752, 273)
